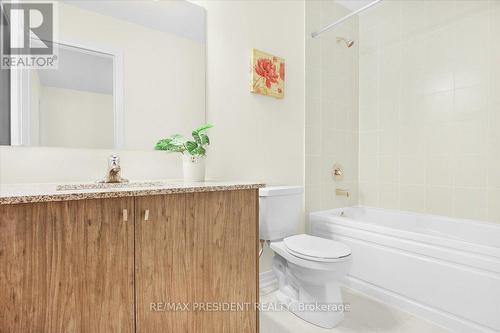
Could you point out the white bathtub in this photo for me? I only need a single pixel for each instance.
(445, 270)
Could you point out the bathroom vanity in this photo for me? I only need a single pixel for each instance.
(165, 258)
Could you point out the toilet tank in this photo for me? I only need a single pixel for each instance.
(280, 210)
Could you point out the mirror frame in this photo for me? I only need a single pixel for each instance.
(20, 95)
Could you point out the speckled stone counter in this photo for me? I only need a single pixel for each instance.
(27, 193)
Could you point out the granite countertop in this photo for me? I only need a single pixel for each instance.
(26, 193)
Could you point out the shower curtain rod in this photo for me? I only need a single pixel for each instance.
(348, 16)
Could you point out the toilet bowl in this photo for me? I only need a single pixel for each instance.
(308, 285)
(308, 268)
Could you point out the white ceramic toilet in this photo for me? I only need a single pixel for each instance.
(308, 268)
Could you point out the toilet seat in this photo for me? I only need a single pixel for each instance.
(313, 264)
(316, 248)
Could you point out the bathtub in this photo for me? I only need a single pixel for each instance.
(443, 269)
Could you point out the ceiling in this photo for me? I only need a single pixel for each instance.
(174, 16)
(80, 70)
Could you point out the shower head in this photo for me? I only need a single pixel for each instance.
(347, 42)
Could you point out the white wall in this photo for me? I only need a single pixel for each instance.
(60, 165)
(255, 137)
(429, 107)
(74, 118)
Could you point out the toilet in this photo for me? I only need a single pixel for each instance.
(308, 268)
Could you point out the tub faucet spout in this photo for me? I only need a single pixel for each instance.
(342, 192)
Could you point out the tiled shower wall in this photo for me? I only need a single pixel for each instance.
(417, 125)
(429, 107)
(331, 107)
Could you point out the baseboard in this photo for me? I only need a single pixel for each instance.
(267, 282)
(441, 318)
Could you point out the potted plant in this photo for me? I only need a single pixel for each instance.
(193, 152)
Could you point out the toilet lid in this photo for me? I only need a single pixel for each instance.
(316, 247)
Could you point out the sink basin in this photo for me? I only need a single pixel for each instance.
(97, 186)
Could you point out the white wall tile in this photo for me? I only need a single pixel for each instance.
(439, 139)
(368, 142)
(470, 203)
(440, 171)
(313, 171)
(313, 198)
(427, 118)
(328, 142)
(437, 107)
(413, 17)
(368, 168)
(369, 194)
(389, 196)
(313, 83)
(493, 205)
(331, 133)
(471, 62)
(328, 121)
(327, 162)
(433, 104)
(313, 53)
(471, 171)
(313, 110)
(439, 13)
(345, 118)
(494, 170)
(412, 198)
(468, 7)
(439, 200)
(368, 89)
(470, 137)
(412, 139)
(388, 171)
(389, 141)
(470, 103)
(493, 140)
(313, 141)
(412, 170)
(438, 73)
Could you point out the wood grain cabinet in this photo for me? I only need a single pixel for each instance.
(160, 263)
(67, 267)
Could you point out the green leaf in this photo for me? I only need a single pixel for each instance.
(196, 136)
(203, 128)
(191, 147)
(174, 143)
(204, 140)
(198, 151)
(177, 139)
(163, 144)
(177, 143)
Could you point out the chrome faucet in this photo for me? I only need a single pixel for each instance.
(113, 175)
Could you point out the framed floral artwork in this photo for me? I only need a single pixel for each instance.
(268, 74)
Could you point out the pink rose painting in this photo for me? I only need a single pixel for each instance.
(268, 74)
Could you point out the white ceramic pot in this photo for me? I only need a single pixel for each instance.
(193, 168)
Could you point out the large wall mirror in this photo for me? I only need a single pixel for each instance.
(129, 73)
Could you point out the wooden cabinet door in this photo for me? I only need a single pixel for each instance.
(67, 267)
(198, 249)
